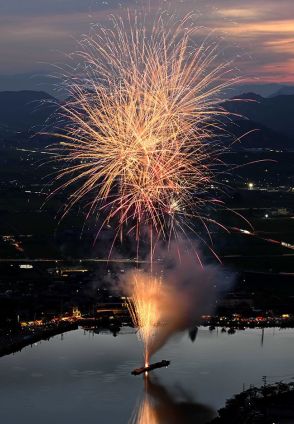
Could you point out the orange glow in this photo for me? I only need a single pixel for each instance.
(239, 13)
(145, 307)
(267, 27)
(272, 38)
(279, 72)
(146, 413)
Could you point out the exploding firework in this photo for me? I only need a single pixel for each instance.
(138, 137)
(138, 129)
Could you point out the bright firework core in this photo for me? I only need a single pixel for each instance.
(138, 130)
(145, 306)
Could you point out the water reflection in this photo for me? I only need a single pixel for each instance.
(159, 405)
(86, 376)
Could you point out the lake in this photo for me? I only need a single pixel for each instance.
(82, 377)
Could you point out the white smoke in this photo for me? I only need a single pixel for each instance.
(188, 290)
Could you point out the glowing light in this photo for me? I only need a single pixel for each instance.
(137, 138)
(26, 266)
(138, 131)
(145, 306)
(146, 412)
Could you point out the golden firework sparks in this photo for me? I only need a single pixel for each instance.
(145, 306)
(138, 134)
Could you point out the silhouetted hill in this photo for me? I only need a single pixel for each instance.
(274, 113)
(34, 82)
(44, 82)
(286, 90)
(264, 90)
(24, 110)
(270, 118)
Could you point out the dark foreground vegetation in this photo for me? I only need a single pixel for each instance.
(269, 404)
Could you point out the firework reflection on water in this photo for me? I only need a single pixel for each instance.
(160, 405)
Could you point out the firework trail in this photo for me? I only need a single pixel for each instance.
(137, 137)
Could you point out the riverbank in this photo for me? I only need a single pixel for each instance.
(240, 322)
(15, 341)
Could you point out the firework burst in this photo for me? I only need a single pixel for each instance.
(138, 131)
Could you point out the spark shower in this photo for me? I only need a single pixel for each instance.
(137, 136)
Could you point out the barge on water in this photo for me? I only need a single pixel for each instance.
(138, 371)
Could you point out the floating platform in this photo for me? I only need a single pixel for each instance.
(138, 371)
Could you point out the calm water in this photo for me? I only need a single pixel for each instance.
(81, 378)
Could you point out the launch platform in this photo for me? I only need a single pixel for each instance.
(151, 367)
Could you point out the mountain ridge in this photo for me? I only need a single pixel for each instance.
(266, 120)
(25, 110)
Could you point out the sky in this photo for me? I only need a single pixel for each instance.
(259, 34)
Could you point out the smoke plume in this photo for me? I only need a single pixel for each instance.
(178, 290)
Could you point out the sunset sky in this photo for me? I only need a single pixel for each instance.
(259, 33)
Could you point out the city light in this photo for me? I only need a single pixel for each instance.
(250, 186)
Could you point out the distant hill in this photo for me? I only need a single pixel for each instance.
(33, 82)
(264, 90)
(44, 82)
(275, 113)
(270, 118)
(287, 90)
(24, 110)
